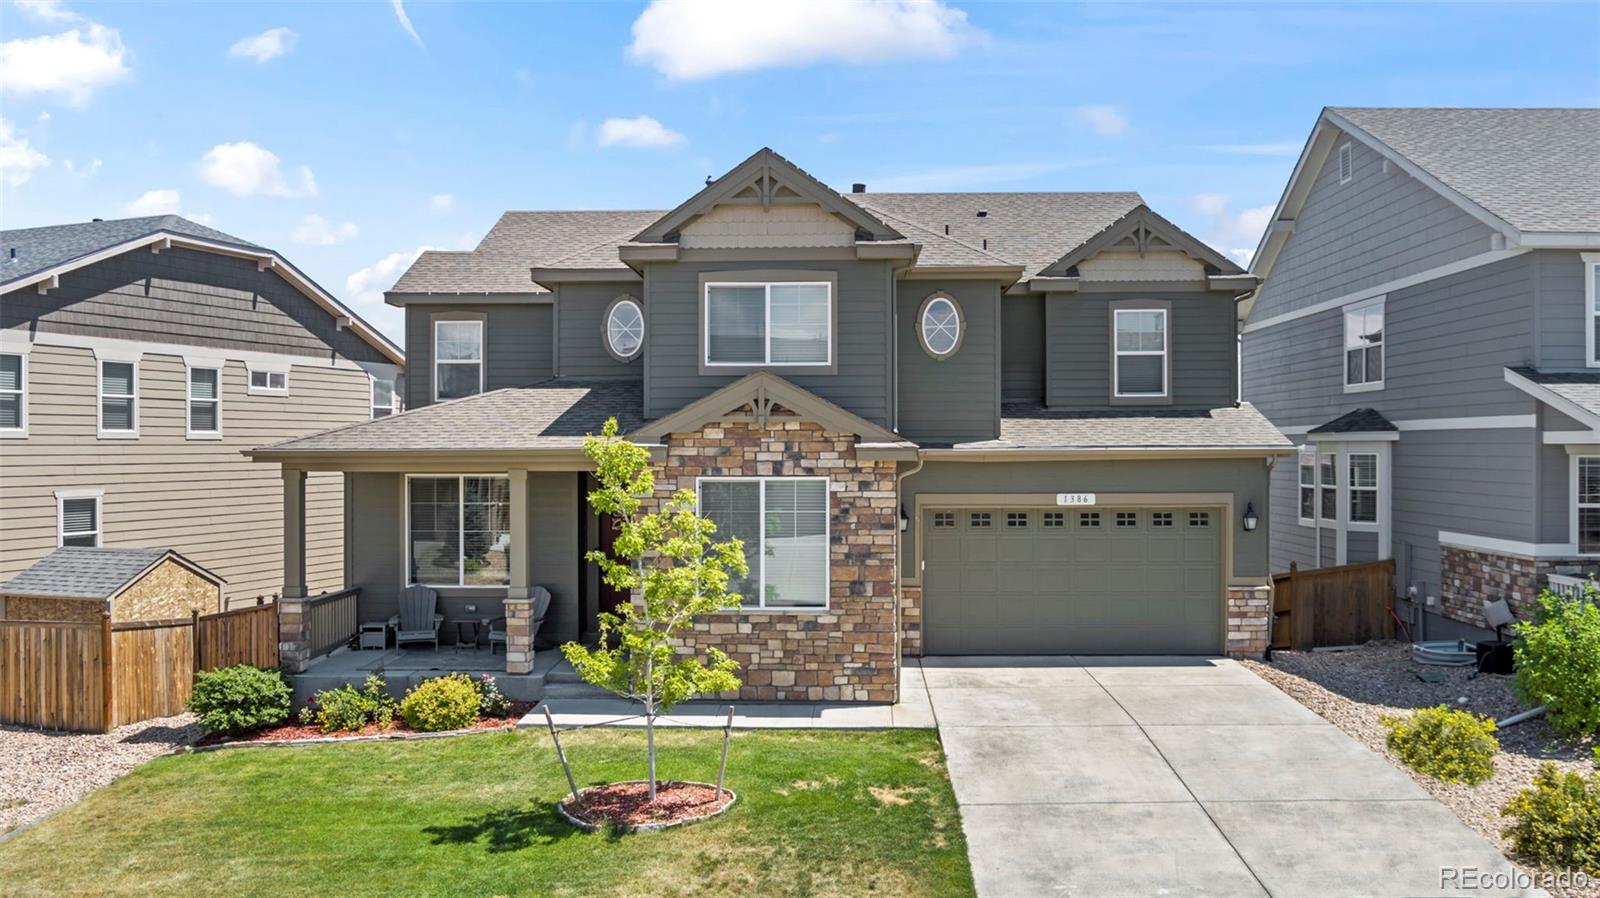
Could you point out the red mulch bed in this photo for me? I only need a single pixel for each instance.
(627, 804)
(289, 731)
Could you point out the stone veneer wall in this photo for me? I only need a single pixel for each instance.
(851, 651)
(1472, 577)
(1249, 612)
(911, 621)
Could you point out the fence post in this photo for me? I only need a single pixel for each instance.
(194, 643)
(107, 698)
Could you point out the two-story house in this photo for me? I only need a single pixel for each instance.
(138, 357)
(942, 423)
(1426, 333)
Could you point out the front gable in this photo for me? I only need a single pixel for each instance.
(1142, 246)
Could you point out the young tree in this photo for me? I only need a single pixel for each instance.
(668, 562)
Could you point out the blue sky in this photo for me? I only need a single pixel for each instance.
(349, 135)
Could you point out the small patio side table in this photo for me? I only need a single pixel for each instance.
(461, 634)
(374, 635)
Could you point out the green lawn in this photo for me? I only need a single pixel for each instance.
(819, 813)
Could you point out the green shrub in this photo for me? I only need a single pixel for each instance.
(1454, 746)
(491, 701)
(1558, 820)
(236, 700)
(349, 709)
(443, 703)
(1558, 661)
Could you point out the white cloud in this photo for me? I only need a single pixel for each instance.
(319, 231)
(1209, 203)
(364, 289)
(72, 64)
(1106, 121)
(400, 16)
(155, 202)
(687, 40)
(48, 11)
(639, 131)
(246, 169)
(1256, 149)
(269, 44)
(1235, 234)
(441, 203)
(86, 170)
(18, 158)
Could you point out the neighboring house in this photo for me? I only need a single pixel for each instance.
(78, 583)
(137, 359)
(1426, 333)
(943, 423)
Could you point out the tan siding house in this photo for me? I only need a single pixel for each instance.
(74, 473)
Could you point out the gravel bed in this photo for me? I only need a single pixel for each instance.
(1352, 689)
(41, 771)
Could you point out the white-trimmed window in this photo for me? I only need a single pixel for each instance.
(1308, 487)
(783, 522)
(457, 359)
(268, 381)
(1591, 291)
(1363, 484)
(1586, 496)
(1347, 168)
(1328, 478)
(383, 401)
(205, 402)
(458, 530)
(788, 323)
(939, 326)
(13, 392)
(78, 518)
(119, 402)
(1141, 353)
(624, 332)
(1363, 346)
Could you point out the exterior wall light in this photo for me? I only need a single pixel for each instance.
(1250, 518)
(905, 522)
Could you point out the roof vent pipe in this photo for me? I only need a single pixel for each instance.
(858, 187)
(947, 230)
(983, 213)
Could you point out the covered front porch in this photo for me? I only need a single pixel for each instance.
(403, 668)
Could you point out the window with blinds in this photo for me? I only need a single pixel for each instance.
(118, 402)
(768, 324)
(79, 521)
(1141, 353)
(205, 401)
(783, 522)
(13, 402)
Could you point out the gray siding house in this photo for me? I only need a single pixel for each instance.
(943, 423)
(1425, 332)
(138, 358)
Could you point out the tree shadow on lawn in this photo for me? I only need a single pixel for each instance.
(506, 829)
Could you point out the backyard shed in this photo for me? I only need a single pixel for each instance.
(78, 583)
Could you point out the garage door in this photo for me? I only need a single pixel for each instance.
(1070, 580)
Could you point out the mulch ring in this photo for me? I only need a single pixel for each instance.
(294, 732)
(626, 806)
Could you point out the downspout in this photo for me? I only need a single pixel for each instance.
(899, 535)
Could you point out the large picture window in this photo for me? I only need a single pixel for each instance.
(1141, 353)
(783, 522)
(457, 359)
(459, 530)
(1363, 346)
(1586, 492)
(1363, 488)
(769, 324)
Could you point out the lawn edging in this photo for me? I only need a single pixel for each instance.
(330, 740)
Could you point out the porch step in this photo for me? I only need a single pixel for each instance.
(562, 672)
(569, 692)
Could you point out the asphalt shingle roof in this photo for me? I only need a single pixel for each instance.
(80, 572)
(1032, 426)
(520, 241)
(1582, 388)
(1538, 169)
(551, 414)
(1362, 420)
(37, 249)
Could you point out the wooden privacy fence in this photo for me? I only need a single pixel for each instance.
(1344, 605)
(90, 677)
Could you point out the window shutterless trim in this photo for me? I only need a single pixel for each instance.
(250, 387)
(483, 353)
(1577, 504)
(1591, 296)
(1352, 489)
(100, 398)
(766, 285)
(1119, 308)
(922, 331)
(461, 533)
(1364, 386)
(189, 400)
(1302, 484)
(62, 497)
(605, 328)
(372, 404)
(21, 430)
(759, 567)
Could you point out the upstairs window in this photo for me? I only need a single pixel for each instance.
(1363, 346)
(119, 404)
(270, 382)
(457, 359)
(205, 401)
(383, 404)
(1141, 353)
(1363, 488)
(1591, 289)
(13, 392)
(939, 326)
(769, 324)
(624, 329)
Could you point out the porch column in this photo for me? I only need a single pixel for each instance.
(521, 545)
(294, 533)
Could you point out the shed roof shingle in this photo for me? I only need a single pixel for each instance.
(1581, 388)
(81, 572)
(40, 248)
(1362, 420)
(1537, 169)
(1031, 426)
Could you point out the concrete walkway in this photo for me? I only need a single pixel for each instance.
(1178, 776)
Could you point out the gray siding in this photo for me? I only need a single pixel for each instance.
(955, 399)
(580, 349)
(1246, 479)
(1561, 321)
(673, 348)
(1291, 541)
(519, 349)
(1360, 546)
(1022, 348)
(181, 296)
(1374, 229)
(1446, 345)
(1203, 359)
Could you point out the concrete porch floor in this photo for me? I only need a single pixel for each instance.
(405, 668)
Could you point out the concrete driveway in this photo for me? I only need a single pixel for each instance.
(1178, 776)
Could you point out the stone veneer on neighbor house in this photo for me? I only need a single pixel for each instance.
(1472, 577)
(851, 651)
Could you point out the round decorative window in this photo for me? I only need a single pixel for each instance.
(939, 326)
(624, 328)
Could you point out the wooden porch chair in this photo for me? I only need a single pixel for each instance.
(419, 618)
(541, 605)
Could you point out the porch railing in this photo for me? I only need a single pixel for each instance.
(1569, 586)
(330, 620)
